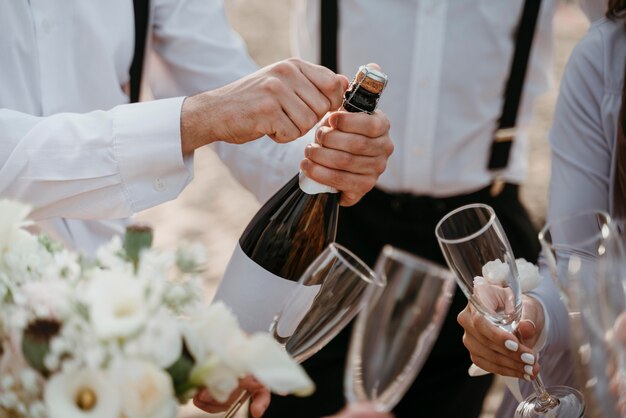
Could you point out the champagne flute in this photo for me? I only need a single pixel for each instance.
(585, 255)
(573, 241)
(327, 297)
(397, 328)
(612, 275)
(470, 237)
(574, 248)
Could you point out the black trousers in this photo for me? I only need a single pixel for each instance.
(443, 388)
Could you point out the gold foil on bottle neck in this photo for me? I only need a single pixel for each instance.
(371, 80)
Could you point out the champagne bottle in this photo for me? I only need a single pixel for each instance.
(289, 231)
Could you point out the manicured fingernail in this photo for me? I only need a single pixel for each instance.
(527, 377)
(528, 358)
(307, 150)
(528, 370)
(511, 345)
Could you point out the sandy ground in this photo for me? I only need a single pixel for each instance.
(214, 209)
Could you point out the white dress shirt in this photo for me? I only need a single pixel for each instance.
(583, 139)
(69, 143)
(448, 62)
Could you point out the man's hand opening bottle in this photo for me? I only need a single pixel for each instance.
(289, 231)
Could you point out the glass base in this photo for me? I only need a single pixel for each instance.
(571, 405)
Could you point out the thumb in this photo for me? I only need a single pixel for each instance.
(527, 331)
(532, 322)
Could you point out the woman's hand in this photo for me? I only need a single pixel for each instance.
(259, 402)
(500, 352)
(361, 410)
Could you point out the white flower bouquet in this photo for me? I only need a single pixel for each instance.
(123, 335)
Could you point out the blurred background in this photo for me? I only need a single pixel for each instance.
(215, 209)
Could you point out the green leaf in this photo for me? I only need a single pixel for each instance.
(35, 353)
(36, 342)
(180, 372)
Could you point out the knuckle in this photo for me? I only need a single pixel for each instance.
(461, 319)
(331, 84)
(380, 166)
(267, 106)
(273, 85)
(285, 68)
(389, 148)
(386, 124)
(294, 61)
(349, 198)
(377, 126)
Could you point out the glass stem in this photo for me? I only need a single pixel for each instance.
(544, 401)
(242, 399)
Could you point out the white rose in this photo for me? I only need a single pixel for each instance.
(84, 393)
(529, 276)
(162, 340)
(225, 353)
(146, 391)
(25, 259)
(496, 272)
(215, 330)
(271, 365)
(117, 305)
(219, 379)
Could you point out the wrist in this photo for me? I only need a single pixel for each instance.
(194, 125)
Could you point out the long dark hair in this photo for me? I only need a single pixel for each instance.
(617, 10)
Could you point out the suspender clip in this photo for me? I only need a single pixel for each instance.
(505, 134)
(497, 186)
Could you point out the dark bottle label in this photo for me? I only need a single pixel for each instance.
(360, 100)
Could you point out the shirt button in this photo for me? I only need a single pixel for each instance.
(46, 26)
(159, 184)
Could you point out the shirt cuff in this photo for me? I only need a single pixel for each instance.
(148, 150)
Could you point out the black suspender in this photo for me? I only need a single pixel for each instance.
(505, 133)
(142, 12)
(329, 26)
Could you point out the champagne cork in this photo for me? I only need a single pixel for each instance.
(365, 89)
(371, 79)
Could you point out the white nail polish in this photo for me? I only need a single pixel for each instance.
(528, 358)
(511, 345)
(529, 370)
(527, 377)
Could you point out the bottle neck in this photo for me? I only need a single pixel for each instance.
(310, 186)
